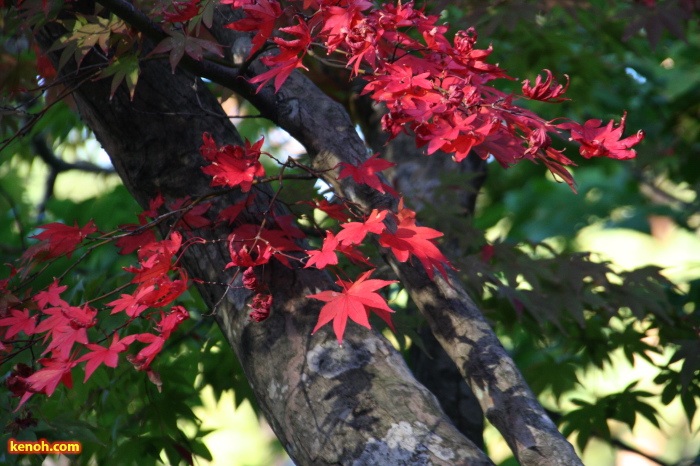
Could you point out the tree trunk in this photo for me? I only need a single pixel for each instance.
(327, 404)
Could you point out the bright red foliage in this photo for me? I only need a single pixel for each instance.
(250, 239)
(22, 321)
(604, 141)
(184, 11)
(232, 165)
(66, 326)
(437, 89)
(155, 259)
(366, 173)
(56, 370)
(132, 242)
(289, 58)
(51, 296)
(326, 256)
(262, 16)
(549, 90)
(354, 301)
(57, 240)
(355, 232)
(410, 238)
(143, 359)
(133, 304)
(101, 355)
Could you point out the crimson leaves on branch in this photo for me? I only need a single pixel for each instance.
(439, 89)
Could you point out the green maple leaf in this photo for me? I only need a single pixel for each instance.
(124, 69)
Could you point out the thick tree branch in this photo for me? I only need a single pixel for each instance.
(419, 179)
(325, 129)
(57, 166)
(327, 404)
(328, 134)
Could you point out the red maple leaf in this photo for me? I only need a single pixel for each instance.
(184, 11)
(101, 355)
(22, 321)
(132, 242)
(144, 358)
(172, 320)
(549, 90)
(255, 240)
(58, 239)
(326, 256)
(233, 165)
(355, 232)
(51, 296)
(165, 290)
(399, 79)
(603, 141)
(55, 322)
(335, 211)
(355, 302)
(410, 238)
(231, 213)
(132, 304)
(194, 217)
(289, 58)
(153, 205)
(67, 326)
(338, 22)
(155, 259)
(366, 173)
(46, 380)
(262, 15)
(241, 257)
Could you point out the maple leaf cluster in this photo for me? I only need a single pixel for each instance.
(438, 89)
(64, 329)
(184, 11)
(358, 297)
(405, 240)
(355, 301)
(58, 240)
(232, 165)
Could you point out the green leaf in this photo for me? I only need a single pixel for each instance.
(125, 69)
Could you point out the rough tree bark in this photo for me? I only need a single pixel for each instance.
(418, 179)
(356, 404)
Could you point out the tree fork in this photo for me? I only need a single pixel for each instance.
(329, 136)
(327, 404)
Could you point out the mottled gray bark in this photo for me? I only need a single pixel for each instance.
(420, 180)
(356, 404)
(328, 134)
